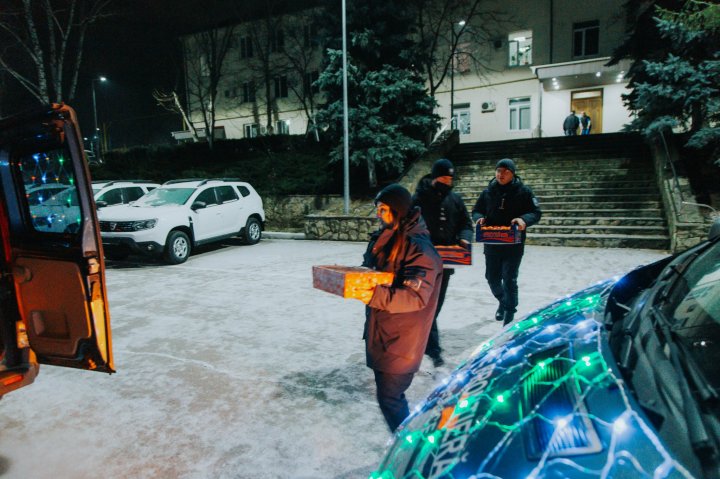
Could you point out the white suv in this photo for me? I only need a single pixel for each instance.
(181, 214)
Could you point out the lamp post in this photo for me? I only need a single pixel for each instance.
(96, 137)
(454, 41)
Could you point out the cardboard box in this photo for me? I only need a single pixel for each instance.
(355, 282)
(498, 234)
(455, 255)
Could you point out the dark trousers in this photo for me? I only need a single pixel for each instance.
(501, 272)
(433, 345)
(391, 396)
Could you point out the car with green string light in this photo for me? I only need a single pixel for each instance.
(620, 380)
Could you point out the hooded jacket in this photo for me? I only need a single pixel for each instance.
(399, 316)
(500, 204)
(444, 212)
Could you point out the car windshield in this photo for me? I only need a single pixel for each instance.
(165, 196)
(693, 308)
(96, 190)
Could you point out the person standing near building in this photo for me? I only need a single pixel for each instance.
(571, 124)
(399, 316)
(505, 202)
(449, 223)
(586, 123)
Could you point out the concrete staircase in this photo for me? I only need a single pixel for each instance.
(596, 190)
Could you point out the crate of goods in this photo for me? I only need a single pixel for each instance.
(498, 234)
(355, 282)
(455, 255)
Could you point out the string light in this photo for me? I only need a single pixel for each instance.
(553, 353)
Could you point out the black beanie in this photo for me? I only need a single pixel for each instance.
(397, 198)
(506, 163)
(442, 167)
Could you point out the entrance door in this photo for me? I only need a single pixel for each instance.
(590, 102)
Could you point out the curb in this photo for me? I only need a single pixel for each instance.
(282, 235)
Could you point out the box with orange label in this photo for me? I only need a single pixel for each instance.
(498, 234)
(455, 255)
(355, 282)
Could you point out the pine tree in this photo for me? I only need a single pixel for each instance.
(390, 112)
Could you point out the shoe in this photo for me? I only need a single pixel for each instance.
(499, 314)
(508, 317)
(438, 361)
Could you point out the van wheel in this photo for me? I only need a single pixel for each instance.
(253, 231)
(177, 247)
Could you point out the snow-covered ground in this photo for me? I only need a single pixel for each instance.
(232, 366)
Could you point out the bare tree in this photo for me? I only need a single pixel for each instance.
(205, 55)
(269, 67)
(302, 55)
(452, 30)
(43, 42)
(171, 102)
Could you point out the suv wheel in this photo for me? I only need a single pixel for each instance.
(177, 247)
(253, 231)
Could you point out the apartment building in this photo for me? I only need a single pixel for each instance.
(542, 60)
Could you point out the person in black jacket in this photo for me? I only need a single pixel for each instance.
(449, 223)
(506, 201)
(399, 316)
(571, 124)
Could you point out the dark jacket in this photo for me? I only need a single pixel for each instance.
(499, 205)
(444, 213)
(399, 316)
(571, 122)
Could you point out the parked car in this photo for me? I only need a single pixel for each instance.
(180, 215)
(619, 380)
(53, 302)
(119, 192)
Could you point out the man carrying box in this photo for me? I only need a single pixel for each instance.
(449, 224)
(399, 315)
(505, 202)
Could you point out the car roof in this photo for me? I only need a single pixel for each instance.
(106, 183)
(197, 182)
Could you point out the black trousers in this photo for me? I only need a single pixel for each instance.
(391, 396)
(501, 272)
(433, 345)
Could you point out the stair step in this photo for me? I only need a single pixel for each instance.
(579, 197)
(656, 221)
(600, 241)
(600, 204)
(598, 229)
(548, 212)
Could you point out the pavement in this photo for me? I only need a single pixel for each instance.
(232, 366)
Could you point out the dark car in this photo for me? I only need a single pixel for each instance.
(53, 302)
(620, 380)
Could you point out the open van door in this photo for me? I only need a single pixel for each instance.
(53, 301)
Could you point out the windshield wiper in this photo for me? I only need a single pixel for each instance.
(701, 441)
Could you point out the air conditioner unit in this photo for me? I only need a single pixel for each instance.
(487, 106)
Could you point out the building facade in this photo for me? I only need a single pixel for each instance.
(541, 60)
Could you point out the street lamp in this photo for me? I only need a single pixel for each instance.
(96, 137)
(455, 40)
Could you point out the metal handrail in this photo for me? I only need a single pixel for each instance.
(676, 182)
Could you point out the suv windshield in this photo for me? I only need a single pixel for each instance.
(165, 196)
(693, 308)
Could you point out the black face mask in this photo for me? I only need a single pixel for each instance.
(442, 188)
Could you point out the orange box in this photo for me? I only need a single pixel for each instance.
(455, 255)
(498, 234)
(355, 282)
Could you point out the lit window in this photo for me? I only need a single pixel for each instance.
(520, 48)
(519, 109)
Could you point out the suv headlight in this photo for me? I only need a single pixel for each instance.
(143, 225)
